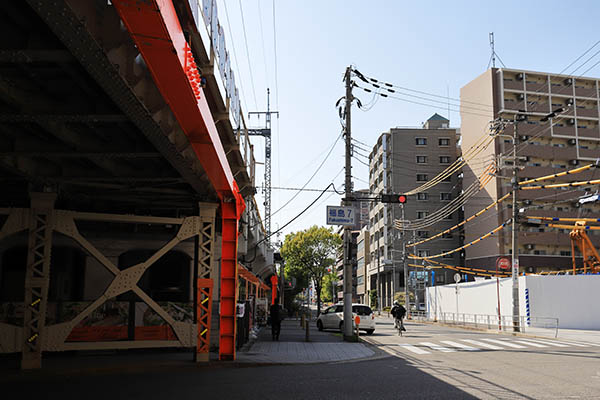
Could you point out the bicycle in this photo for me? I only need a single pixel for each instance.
(399, 324)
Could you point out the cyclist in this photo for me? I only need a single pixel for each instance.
(398, 312)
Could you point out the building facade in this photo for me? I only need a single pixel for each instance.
(403, 159)
(570, 139)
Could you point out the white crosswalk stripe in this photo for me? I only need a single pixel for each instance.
(528, 343)
(414, 349)
(437, 347)
(459, 345)
(556, 344)
(574, 344)
(505, 343)
(481, 344)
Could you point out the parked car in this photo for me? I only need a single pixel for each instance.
(333, 318)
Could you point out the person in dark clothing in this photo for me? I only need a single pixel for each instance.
(398, 312)
(275, 314)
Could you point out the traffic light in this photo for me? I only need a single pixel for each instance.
(393, 198)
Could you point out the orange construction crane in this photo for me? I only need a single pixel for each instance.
(591, 259)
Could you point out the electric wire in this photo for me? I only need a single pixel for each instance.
(275, 57)
(248, 55)
(262, 40)
(239, 71)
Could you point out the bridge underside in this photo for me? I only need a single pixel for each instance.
(110, 225)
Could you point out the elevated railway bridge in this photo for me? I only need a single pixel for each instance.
(127, 204)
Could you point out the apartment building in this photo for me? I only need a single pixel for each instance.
(362, 261)
(544, 147)
(403, 159)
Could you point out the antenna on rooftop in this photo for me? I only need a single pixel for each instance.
(494, 55)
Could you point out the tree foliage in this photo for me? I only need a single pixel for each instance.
(308, 254)
(330, 282)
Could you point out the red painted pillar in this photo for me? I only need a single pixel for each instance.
(228, 281)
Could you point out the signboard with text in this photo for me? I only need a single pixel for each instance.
(339, 215)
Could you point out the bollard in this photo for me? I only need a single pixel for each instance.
(307, 338)
(302, 320)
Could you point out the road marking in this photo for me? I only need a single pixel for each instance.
(529, 343)
(503, 343)
(437, 347)
(574, 344)
(459, 345)
(549, 342)
(481, 344)
(414, 349)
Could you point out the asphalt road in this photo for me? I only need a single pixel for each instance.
(428, 363)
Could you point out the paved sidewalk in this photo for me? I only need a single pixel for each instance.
(326, 346)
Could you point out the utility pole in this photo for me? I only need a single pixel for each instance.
(348, 334)
(266, 133)
(515, 239)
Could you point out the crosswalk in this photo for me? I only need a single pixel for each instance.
(485, 344)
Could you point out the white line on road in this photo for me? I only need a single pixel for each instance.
(459, 345)
(437, 347)
(574, 344)
(549, 342)
(530, 343)
(503, 343)
(481, 344)
(414, 349)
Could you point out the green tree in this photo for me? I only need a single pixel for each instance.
(309, 253)
(330, 283)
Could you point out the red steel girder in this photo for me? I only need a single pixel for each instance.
(155, 29)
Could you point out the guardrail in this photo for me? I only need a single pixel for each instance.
(489, 321)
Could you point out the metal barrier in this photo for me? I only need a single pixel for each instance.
(489, 321)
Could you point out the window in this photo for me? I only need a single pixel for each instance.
(422, 214)
(447, 235)
(445, 196)
(444, 142)
(448, 217)
(444, 159)
(539, 252)
(447, 255)
(423, 234)
(422, 178)
(423, 253)
(448, 179)
(422, 196)
(421, 159)
(421, 141)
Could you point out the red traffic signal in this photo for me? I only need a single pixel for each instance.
(393, 198)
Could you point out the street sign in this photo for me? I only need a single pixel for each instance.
(503, 263)
(337, 215)
(357, 320)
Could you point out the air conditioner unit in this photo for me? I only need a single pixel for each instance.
(572, 142)
(569, 102)
(574, 162)
(521, 96)
(519, 76)
(527, 202)
(568, 81)
(530, 270)
(575, 205)
(524, 138)
(571, 121)
(529, 246)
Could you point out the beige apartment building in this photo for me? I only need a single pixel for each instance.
(401, 160)
(362, 261)
(564, 142)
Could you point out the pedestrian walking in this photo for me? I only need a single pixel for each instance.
(275, 314)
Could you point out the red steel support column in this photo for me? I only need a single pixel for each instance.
(229, 275)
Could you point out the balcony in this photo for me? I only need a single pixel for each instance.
(589, 153)
(543, 108)
(586, 92)
(561, 90)
(537, 87)
(564, 130)
(513, 85)
(587, 112)
(514, 105)
(591, 132)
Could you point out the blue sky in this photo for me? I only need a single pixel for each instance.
(432, 46)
